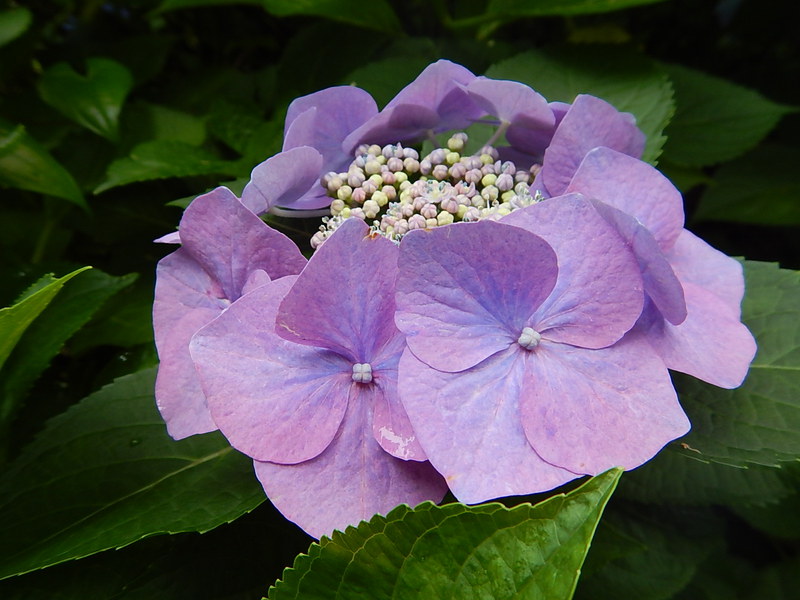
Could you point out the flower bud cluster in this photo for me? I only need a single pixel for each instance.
(396, 192)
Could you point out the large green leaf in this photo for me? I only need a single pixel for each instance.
(26, 165)
(93, 100)
(509, 9)
(627, 80)
(13, 23)
(57, 323)
(715, 120)
(760, 187)
(14, 320)
(384, 78)
(647, 555)
(456, 551)
(676, 476)
(161, 159)
(757, 423)
(105, 474)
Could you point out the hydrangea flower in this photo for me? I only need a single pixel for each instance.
(520, 372)
(301, 375)
(544, 285)
(225, 251)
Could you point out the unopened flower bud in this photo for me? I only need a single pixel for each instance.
(416, 222)
(457, 142)
(440, 172)
(380, 198)
(344, 192)
(504, 182)
(452, 158)
(358, 196)
(444, 218)
(429, 211)
(371, 209)
(372, 167)
(395, 164)
(390, 191)
(337, 206)
(488, 179)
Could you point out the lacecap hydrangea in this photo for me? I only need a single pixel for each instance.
(496, 318)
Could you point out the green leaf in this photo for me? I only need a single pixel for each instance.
(105, 474)
(758, 422)
(26, 165)
(376, 14)
(780, 519)
(13, 23)
(161, 159)
(509, 9)
(47, 334)
(647, 555)
(124, 320)
(676, 476)
(629, 81)
(155, 122)
(456, 551)
(715, 120)
(94, 100)
(761, 187)
(14, 320)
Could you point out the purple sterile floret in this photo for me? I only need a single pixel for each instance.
(301, 375)
(226, 250)
(692, 316)
(435, 101)
(590, 122)
(557, 391)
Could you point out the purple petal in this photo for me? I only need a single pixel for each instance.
(660, 282)
(711, 344)
(531, 121)
(351, 481)
(169, 238)
(598, 296)
(635, 188)
(323, 119)
(589, 123)
(344, 298)
(405, 122)
(591, 410)
(230, 242)
(186, 298)
(469, 425)
(694, 261)
(434, 101)
(467, 290)
(273, 399)
(390, 424)
(284, 180)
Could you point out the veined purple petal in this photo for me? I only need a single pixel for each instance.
(328, 116)
(284, 180)
(344, 298)
(230, 242)
(180, 399)
(469, 425)
(390, 424)
(591, 410)
(635, 188)
(694, 261)
(711, 344)
(531, 121)
(434, 101)
(467, 290)
(590, 122)
(273, 399)
(660, 281)
(186, 298)
(353, 479)
(599, 293)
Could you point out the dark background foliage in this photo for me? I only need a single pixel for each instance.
(188, 95)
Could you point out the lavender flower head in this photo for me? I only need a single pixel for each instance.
(502, 312)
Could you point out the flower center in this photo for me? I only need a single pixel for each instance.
(362, 372)
(396, 192)
(529, 338)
